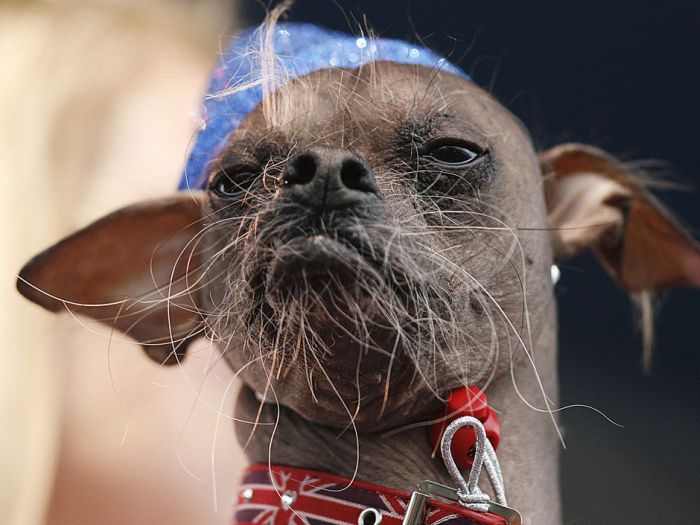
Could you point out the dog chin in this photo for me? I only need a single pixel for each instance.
(335, 403)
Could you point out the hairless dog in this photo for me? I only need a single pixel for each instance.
(366, 240)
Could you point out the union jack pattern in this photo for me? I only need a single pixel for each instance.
(291, 496)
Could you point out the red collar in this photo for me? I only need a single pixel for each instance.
(306, 497)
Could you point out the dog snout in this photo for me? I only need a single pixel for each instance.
(329, 179)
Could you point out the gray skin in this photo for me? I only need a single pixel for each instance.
(370, 240)
(468, 243)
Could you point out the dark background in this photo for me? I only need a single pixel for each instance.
(622, 75)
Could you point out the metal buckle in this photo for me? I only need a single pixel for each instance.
(471, 496)
(431, 489)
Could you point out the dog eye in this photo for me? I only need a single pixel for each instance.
(233, 185)
(453, 155)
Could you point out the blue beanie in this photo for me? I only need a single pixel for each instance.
(302, 49)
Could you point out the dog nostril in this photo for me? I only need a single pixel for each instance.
(354, 175)
(300, 170)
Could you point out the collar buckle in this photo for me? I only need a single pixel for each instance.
(437, 490)
(415, 512)
(468, 495)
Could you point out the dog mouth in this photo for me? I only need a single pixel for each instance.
(331, 280)
(341, 290)
(338, 310)
(316, 263)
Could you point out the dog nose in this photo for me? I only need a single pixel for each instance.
(328, 179)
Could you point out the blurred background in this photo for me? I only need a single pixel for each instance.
(99, 104)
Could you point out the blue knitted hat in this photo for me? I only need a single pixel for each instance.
(302, 49)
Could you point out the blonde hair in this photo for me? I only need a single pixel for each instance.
(65, 66)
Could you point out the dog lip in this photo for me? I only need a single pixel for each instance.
(312, 256)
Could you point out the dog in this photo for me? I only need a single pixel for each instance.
(359, 242)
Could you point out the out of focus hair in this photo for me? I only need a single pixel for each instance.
(63, 65)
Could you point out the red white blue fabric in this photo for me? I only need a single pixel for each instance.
(318, 498)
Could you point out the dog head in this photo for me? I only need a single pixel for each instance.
(367, 239)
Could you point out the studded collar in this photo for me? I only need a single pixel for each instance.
(281, 495)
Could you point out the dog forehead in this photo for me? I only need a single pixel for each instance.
(377, 97)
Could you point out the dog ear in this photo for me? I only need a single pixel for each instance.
(136, 270)
(594, 202)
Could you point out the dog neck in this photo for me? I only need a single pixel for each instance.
(528, 452)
